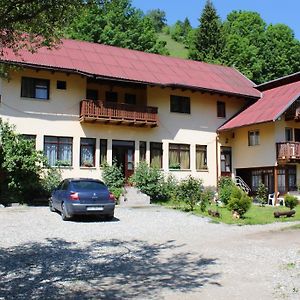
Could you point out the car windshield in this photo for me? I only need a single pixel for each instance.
(88, 185)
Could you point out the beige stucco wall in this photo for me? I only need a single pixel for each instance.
(58, 116)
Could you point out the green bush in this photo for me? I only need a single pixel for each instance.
(290, 201)
(50, 181)
(190, 191)
(149, 180)
(21, 164)
(262, 194)
(113, 177)
(225, 185)
(169, 188)
(206, 198)
(239, 201)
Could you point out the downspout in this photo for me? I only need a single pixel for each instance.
(217, 159)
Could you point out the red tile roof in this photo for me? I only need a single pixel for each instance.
(274, 103)
(124, 64)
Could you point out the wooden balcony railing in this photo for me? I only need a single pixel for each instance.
(118, 113)
(288, 151)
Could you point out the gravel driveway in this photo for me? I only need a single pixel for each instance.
(145, 253)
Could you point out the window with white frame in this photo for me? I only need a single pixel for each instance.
(253, 138)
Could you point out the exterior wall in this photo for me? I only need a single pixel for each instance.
(59, 116)
(245, 156)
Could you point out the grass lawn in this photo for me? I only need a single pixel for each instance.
(255, 215)
(176, 49)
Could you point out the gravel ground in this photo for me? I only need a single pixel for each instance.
(145, 253)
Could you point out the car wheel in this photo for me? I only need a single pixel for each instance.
(51, 207)
(64, 213)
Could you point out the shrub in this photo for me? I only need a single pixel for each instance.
(206, 198)
(262, 194)
(149, 180)
(291, 201)
(169, 188)
(225, 186)
(113, 177)
(21, 164)
(239, 201)
(190, 191)
(50, 181)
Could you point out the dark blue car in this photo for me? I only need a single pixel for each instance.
(82, 196)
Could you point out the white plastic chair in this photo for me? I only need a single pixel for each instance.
(271, 199)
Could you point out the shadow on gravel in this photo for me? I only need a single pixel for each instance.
(100, 270)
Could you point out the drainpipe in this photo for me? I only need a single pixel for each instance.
(217, 159)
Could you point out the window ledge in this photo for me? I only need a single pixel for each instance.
(88, 168)
(180, 170)
(202, 170)
(63, 167)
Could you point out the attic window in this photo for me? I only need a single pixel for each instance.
(35, 88)
(61, 85)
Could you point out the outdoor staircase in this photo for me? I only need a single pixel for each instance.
(134, 197)
(242, 184)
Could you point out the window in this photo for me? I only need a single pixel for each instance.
(30, 137)
(111, 97)
(256, 179)
(103, 151)
(130, 99)
(61, 85)
(289, 136)
(221, 110)
(35, 88)
(87, 152)
(156, 153)
(179, 156)
(180, 104)
(201, 157)
(225, 160)
(253, 138)
(142, 151)
(92, 94)
(58, 150)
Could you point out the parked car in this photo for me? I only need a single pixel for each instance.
(82, 196)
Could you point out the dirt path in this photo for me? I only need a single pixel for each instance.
(152, 253)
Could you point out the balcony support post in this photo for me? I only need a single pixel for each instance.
(275, 184)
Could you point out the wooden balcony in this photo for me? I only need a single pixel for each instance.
(288, 152)
(118, 113)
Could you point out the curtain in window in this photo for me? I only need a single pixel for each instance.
(201, 157)
(50, 151)
(87, 154)
(185, 159)
(65, 153)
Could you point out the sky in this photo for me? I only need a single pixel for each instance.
(271, 11)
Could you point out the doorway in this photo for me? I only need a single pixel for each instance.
(226, 161)
(123, 154)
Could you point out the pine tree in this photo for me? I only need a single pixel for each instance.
(208, 41)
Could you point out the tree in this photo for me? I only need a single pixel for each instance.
(116, 23)
(208, 42)
(20, 164)
(243, 33)
(180, 31)
(280, 52)
(34, 23)
(158, 18)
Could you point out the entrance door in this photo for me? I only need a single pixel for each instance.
(226, 161)
(123, 154)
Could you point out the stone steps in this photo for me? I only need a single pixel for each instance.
(134, 197)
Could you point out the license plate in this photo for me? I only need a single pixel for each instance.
(96, 208)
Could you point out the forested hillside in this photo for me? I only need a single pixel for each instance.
(243, 40)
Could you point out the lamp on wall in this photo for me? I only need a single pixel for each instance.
(226, 141)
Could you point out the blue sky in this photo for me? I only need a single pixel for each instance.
(272, 11)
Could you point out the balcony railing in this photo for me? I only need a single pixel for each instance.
(288, 151)
(118, 113)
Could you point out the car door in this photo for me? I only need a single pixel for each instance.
(57, 195)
